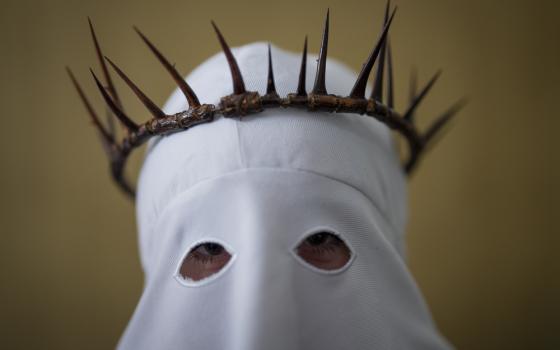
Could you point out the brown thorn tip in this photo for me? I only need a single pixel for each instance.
(420, 97)
(185, 88)
(390, 79)
(387, 7)
(359, 89)
(118, 112)
(319, 87)
(107, 138)
(412, 90)
(302, 72)
(377, 92)
(413, 84)
(150, 105)
(105, 70)
(238, 84)
(270, 86)
(107, 76)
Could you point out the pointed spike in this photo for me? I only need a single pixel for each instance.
(110, 86)
(185, 88)
(416, 101)
(150, 105)
(359, 89)
(319, 87)
(127, 122)
(238, 84)
(377, 92)
(387, 7)
(302, 72)
(105, 70)
(413, 85)
(106, 137)
(270, 86)
(390, 80)
(443, 120)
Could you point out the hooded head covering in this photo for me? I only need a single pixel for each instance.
(259, 186)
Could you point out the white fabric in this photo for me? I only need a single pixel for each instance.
(258, 185)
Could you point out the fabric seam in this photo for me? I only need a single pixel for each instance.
(373, 203)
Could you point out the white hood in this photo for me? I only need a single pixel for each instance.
(258, 186)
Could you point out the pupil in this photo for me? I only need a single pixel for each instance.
(317, 239)
(213, 248)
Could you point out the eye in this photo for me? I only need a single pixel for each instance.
(204, 260)
(324, 250)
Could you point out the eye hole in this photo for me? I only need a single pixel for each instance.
(325, 251)
(204, 260)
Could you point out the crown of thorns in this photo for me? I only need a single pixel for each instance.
(242, 102)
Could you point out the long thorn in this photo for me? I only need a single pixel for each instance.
(105, 70)
(127, 122)
(412, 88)
(390, 79)
(302, 72)
(416, 101)
(238, 84)
(150, 105)
(442, 120)
(106, 137)
(108, 79)
(359, 89)
(377, 92)
(270, 86)
(319, 87)
(185, 88)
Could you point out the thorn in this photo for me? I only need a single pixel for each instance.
(416, 101)
(270, 86)
(238, 84)
(106, 137)
(442, 120)
(301, 81)
(359, 89)
(390, 80)
(413, 87)
(127, 122)
(151, 106)
(319, 87)
(185, 88)
(387, 7)
(107, 76)
(105, 70)
(377, 92)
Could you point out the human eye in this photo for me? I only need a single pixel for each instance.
(324, 250)
(204, 260)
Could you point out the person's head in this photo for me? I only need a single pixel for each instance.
(282, 230)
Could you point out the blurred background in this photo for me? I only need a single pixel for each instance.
(483, 234)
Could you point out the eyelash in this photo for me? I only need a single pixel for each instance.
(199, 258)
(329, 246)
(203, 260)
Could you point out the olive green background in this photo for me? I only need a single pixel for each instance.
(483, 234)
